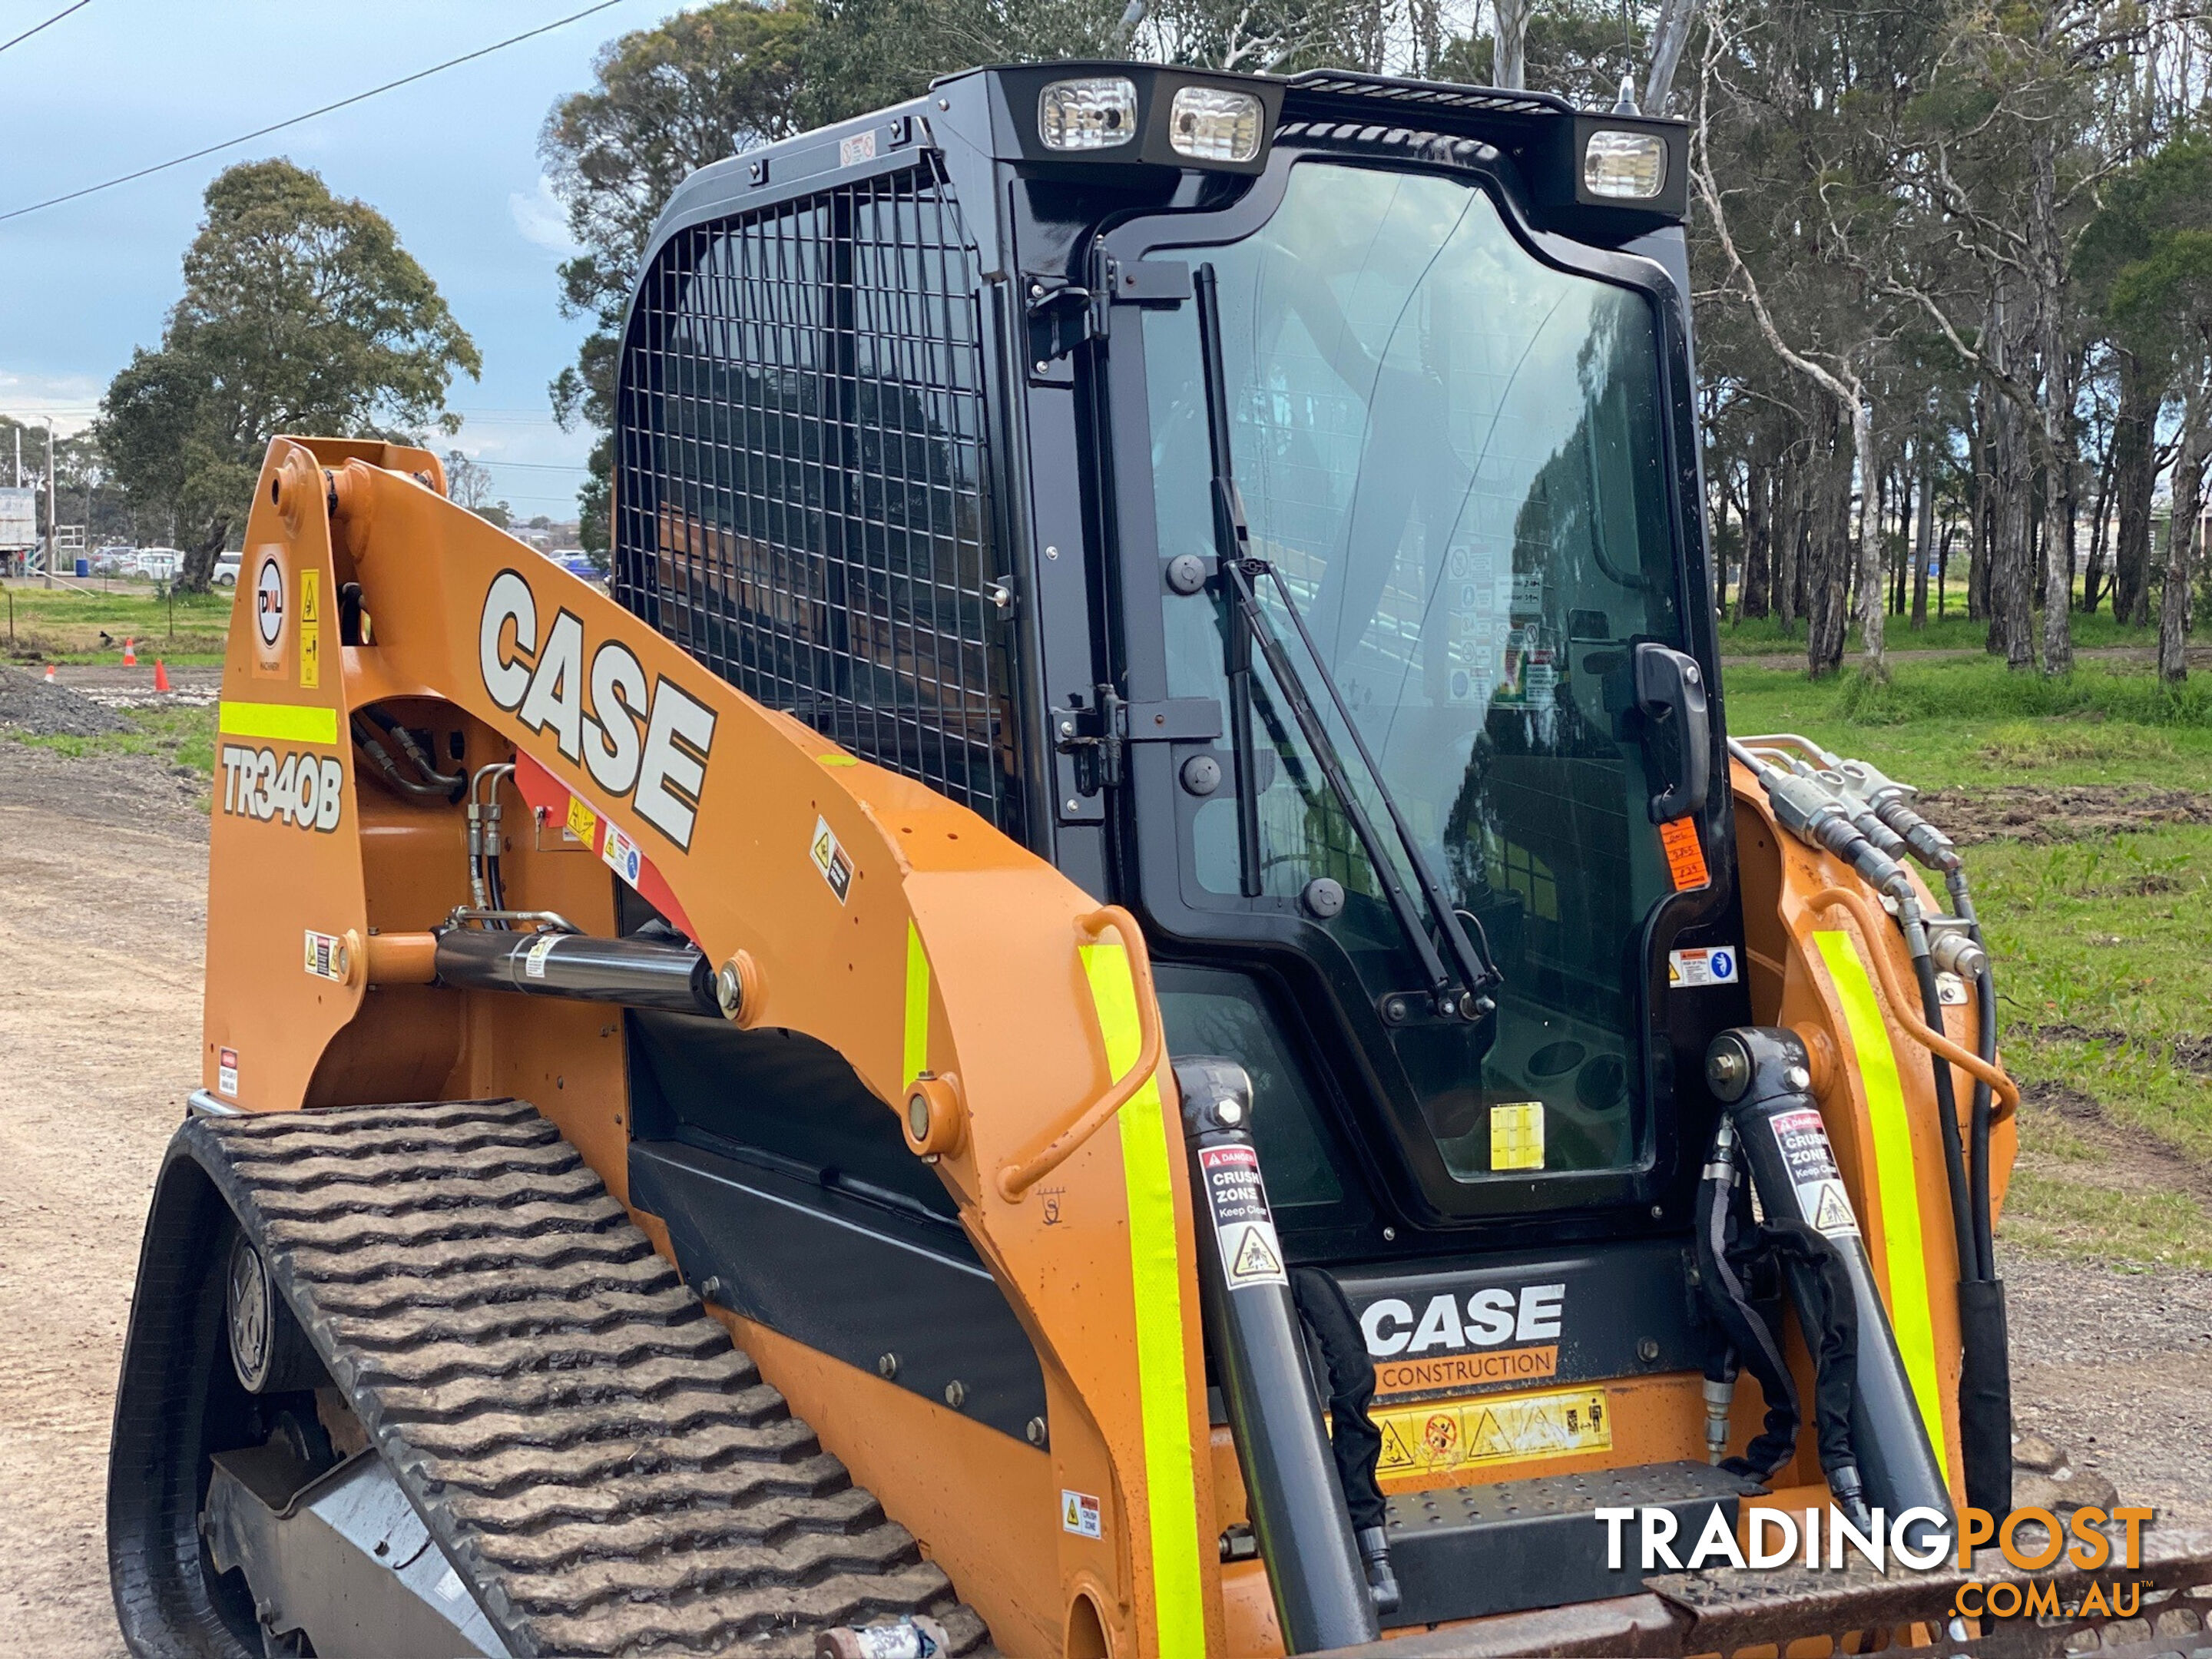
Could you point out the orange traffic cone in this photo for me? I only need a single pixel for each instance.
(161, 676)
(50, 674)
(129, 654)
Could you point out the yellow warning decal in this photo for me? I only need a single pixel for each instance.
(1445, 1435)
(583, 823)
(311, 630)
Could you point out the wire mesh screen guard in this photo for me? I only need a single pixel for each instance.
(803, 489)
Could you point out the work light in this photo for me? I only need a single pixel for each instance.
(1096, 112)
(1625, 166)
(1213, 124)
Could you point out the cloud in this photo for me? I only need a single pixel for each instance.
(541, 218)
(72, 400)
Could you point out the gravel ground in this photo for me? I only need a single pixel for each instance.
(2118, 1368)
(28, 704)
(100, 1007)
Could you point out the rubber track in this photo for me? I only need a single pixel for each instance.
(611, 1474)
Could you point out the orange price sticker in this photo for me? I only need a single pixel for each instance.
(1685, 859)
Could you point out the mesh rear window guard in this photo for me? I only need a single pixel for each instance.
(802, 480)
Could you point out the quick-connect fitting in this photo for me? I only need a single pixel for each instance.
(1956, 951)
(1720, 1401)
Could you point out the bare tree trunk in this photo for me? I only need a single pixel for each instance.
(2012, 622)
(2135, 476)
(1790, 532)
(1828, 558)
(1872, 584)
(2181, 541)
(1670, 32)
(199, 569)
(1511, 43)
(2099, 533)
(2058, 403)
(1923, 541)
(1751, 593)
(1978, 509)
(1943, 572)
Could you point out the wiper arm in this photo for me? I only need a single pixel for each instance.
(1248, 626)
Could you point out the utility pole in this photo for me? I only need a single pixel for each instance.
(50, 501)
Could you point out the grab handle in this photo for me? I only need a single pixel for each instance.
(1017, 1178)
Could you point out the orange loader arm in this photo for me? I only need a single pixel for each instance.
(980, 994)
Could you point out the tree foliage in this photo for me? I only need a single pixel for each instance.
(301, 313)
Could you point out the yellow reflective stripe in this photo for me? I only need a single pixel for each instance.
(1898, 1182)
(280, 722)
(1171, 1481)
(917, 1005)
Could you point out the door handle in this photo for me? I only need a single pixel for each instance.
(1670, 693)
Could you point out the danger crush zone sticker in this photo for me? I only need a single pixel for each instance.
(1250, 1252)
(1821, 1197)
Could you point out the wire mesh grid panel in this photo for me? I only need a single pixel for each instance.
(803, 497)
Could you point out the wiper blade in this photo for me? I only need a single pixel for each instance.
(1248, 626)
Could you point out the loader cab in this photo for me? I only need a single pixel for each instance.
(915, 442)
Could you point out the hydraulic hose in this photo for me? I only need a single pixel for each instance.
(1916, 1028)
(1946, 1112)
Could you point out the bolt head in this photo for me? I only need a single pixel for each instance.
(1035, 1432)
(1647, 1349)
(1229, 1112)
(955, 1394)
(1798, 1078)
(887, 1366)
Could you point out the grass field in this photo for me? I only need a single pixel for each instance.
(2104, 943)
(64, 625)
(183, 737)
(1760, 636)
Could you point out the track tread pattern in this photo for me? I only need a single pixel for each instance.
(616, 1478)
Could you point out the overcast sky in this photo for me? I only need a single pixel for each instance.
(451, 161)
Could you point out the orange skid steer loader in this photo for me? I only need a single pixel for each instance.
(1122, 998)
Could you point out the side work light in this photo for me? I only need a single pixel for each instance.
(1097, 112)
(1211, 123)
(1625, 166)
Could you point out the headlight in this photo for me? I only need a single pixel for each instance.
(1098, 111)
(1625, 166)
(1208, 124)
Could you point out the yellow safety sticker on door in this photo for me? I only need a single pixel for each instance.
(1447, 1434)
(1517, 1135)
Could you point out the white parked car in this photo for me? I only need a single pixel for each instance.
(225, 573)
(159, 564)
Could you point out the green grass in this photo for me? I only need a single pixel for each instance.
(183, 737)
(2109, 936)
(64, 624)
(1762, 636)
(1971, 722)
(2103, 1224)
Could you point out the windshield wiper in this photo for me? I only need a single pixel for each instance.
(1477, 974)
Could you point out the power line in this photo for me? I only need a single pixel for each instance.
(294, 121)
(49, 23)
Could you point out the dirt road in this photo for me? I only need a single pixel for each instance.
(102, 910)
(102, 904)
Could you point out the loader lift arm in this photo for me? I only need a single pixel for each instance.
(976, 991)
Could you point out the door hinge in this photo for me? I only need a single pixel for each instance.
(1099, 736)
(1060, 316)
